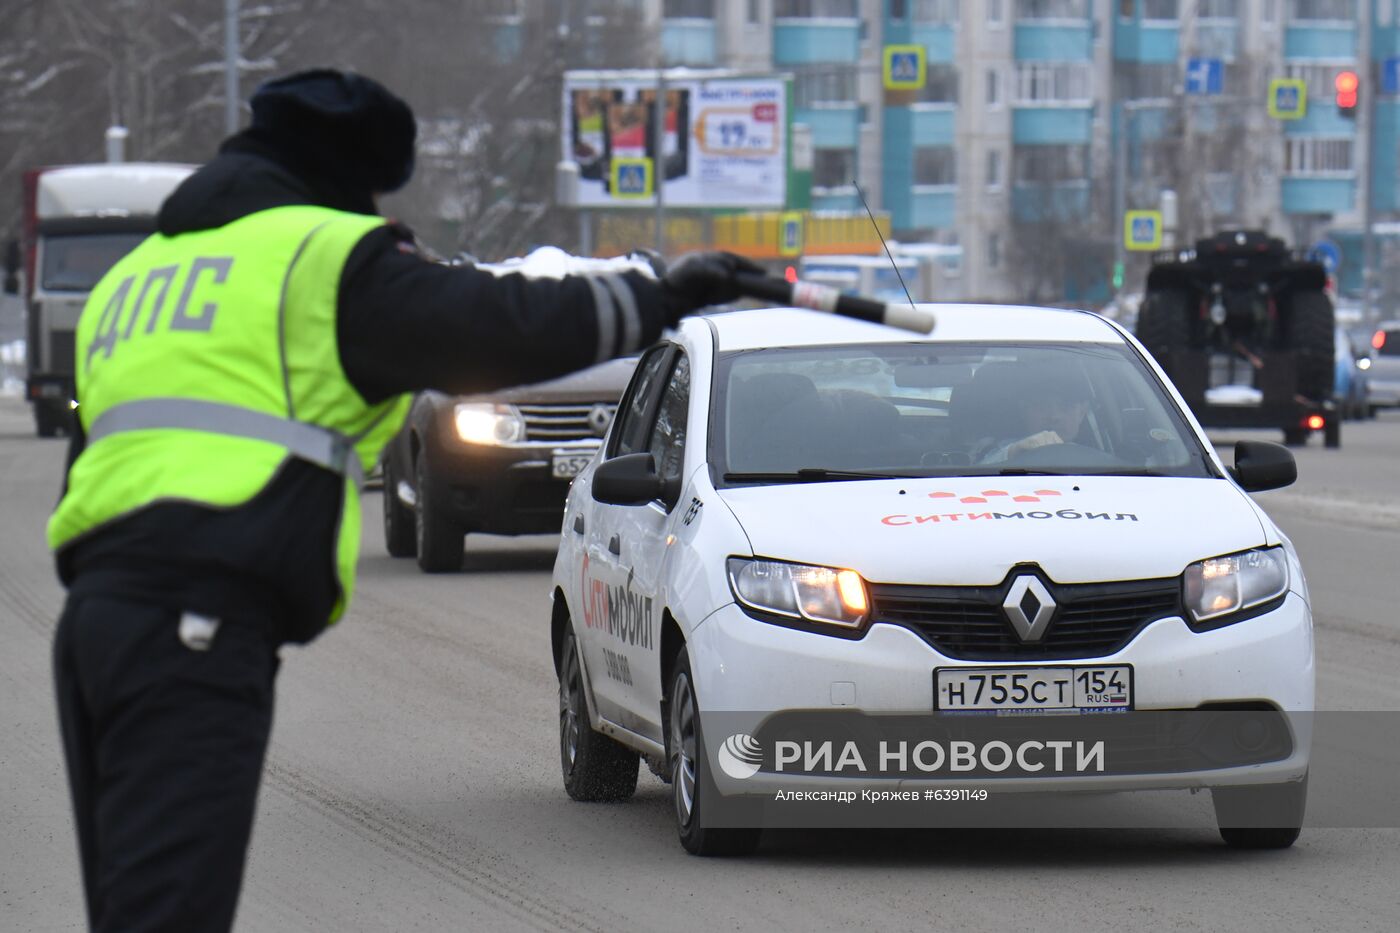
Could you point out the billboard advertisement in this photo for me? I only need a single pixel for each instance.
(724, 143)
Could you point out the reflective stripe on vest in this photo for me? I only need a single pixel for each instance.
(321, 446)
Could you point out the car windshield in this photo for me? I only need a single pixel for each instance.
(78, 262)
(851, 412)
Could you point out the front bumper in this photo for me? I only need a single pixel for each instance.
(742, 665)
(499, 490)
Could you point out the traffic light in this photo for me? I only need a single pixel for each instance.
(1347, 84)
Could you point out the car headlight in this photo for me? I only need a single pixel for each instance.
(819, 598)
(485, 423)
(1220, 590)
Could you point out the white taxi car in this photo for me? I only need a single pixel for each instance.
(1015, 514)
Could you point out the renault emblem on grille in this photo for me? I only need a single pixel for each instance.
(1029, 606)
(599, 418)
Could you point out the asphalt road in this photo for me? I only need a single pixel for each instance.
(413, 779)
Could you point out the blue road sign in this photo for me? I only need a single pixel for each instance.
(1327, 253)
(904, 66)
(1390, 76)
(1205, 76)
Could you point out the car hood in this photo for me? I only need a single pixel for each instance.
(973, 530)
(602, 383)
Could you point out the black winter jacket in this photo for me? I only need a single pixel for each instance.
(403, 324)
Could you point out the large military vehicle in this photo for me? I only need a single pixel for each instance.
(1245, 330)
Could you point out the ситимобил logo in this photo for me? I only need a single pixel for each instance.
(740, 756)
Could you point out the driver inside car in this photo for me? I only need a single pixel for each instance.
(1050, 411)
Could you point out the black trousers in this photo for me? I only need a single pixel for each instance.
(165, 747)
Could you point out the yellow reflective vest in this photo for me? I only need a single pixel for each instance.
(205, 360)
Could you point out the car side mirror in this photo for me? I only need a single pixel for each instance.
(1260, 465)
(629, 480)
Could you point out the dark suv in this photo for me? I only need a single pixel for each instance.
(499, 463)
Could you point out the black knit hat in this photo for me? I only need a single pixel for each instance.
(341, 127)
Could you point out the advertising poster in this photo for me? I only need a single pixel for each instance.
(724, 142)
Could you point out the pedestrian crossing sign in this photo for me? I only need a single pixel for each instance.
(1142, 230)
(1288, 98)
(631, 178)
(906, 67)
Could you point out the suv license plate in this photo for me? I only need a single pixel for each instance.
(1034, 688)
(568, 465)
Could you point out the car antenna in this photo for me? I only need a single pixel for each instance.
(871, 214)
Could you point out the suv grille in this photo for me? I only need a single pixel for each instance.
(553, 424)
(967, 622)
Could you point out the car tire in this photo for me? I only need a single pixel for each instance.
(691, 784)
(1239, 809)
(47, 420)
(595, 767)
(439, 539)
(400, 524)
(1311, 324)
(1295, 437)
(1164, 324)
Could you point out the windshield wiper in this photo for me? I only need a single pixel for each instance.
(810, 475)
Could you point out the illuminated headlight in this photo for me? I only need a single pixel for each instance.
(479, 423)
(820, 595)
(1224, 586)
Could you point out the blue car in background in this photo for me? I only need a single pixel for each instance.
(1350, 389)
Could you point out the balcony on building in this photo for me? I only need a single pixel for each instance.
(1321, 29)
(1147, 30)
(807, 31)
(930, 23)
(505, 25)
(1052, 103)
(1053, 30)
(1050, 183)
(688, 32)
(1319, 174)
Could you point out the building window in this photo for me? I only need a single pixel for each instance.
(1052, 9)
(1320, 78)
(1054, 82)
(828, 84)
(993, 87)
(994, 12)
(833, 168)
(1037, 165)
(993, 250)
(935, 165)
(1333, 10)
(1217, 9)
(688, 9)
(1126, 8)
(1314, 156)
(898, 10)
(944, 12)
(1147, 81)
(808, 9)
(1161, 10)
(993, 168)
(941, 85)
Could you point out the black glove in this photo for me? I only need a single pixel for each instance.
(698, 280)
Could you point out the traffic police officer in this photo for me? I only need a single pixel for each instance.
(238, 373)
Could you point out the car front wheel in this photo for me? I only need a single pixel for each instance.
(440, 544)
(400, 535)
(595, 767)
(691, 784)
(1265, 816)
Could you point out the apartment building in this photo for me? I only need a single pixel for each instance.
(1030, 106)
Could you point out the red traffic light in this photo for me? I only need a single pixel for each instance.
(1347, 85)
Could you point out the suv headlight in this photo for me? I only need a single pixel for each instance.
(817, 598)
(1220, 590)
(486, 423)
